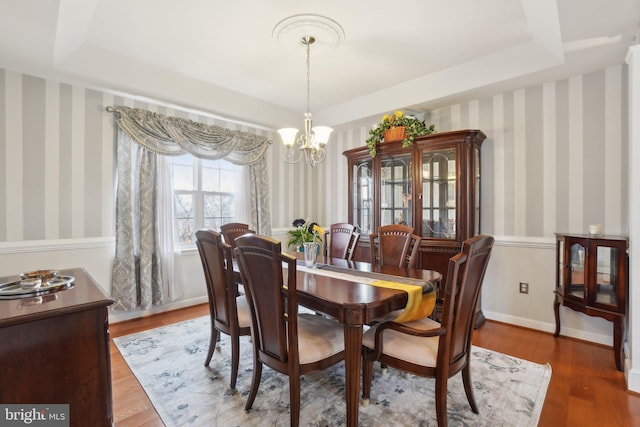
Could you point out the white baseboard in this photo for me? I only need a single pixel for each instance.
(120, 316)
(632, 376)
(550, 327)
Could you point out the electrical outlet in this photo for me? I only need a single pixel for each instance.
(524, 287)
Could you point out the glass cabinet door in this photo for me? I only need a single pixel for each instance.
(576, 284)
(395, 190)
(606, 275)
(560, 267)
(362, 193)
(439, 194)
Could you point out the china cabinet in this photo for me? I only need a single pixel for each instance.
(432, 185)
(591, 277)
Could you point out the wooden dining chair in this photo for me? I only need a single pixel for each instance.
(395, 244)
(233, 230)
(290, 343)
(431, 349)
(228, 309)
(343, 239)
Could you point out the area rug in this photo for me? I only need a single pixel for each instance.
(168, 362)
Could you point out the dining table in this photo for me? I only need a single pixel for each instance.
(343, 289)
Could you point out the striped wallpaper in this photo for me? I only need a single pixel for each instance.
(555, 158)
(57, 154)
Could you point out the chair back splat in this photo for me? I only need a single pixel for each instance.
(342, 240)
(233, 230)
(395, 245)
(468, 269)
(427, 348)
(229, 311)
(290, 343)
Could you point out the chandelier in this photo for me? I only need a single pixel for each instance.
(310, 144)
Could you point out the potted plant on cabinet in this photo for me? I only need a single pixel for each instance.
(389, 123)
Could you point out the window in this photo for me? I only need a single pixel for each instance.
(207, 194)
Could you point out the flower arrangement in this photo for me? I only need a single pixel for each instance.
(413, 126)
(305, 231)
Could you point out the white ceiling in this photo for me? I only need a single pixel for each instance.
(220, 57)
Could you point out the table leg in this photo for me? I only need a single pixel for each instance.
(352, 366)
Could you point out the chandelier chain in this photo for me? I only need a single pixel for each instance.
(312, 140)
(308, 40)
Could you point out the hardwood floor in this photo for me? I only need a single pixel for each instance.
(585, 387)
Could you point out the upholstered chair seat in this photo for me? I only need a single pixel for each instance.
(430, 349)
(244, 314)
(418, 350)
(318, 338)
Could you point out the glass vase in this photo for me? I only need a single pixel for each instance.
(310, 253)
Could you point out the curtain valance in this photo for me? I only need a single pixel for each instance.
(173, 136)
(143, 262)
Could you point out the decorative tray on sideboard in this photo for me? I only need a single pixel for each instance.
(16, 289)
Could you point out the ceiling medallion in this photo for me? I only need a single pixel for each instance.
(290, 31)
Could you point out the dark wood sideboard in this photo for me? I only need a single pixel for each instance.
(54, 349)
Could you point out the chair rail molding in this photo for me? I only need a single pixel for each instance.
(30, 246)
(525, 242)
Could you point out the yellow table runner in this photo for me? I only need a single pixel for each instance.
(418, 306)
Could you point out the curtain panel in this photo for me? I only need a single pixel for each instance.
(138, 266)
